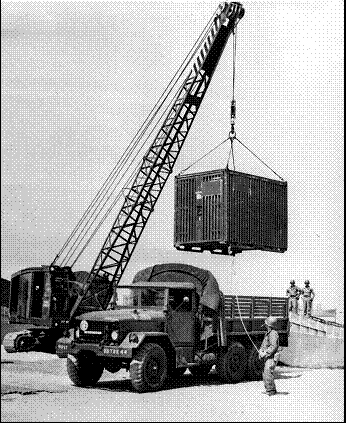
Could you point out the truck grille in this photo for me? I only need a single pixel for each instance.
(94, 334)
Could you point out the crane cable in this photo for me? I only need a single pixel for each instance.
(110, 208)
(232, 112)
(129, 150)
(135, 169)
(205, 155)
(232, 133)
(259, 159)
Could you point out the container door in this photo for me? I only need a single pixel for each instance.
(210, 209)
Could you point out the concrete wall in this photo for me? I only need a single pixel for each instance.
(313, 344)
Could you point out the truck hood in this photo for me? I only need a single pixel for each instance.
(123, 314)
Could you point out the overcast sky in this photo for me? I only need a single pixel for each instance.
(78, 79)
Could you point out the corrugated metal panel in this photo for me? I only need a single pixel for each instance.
(225, 211)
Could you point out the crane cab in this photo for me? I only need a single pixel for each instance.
(39, 297)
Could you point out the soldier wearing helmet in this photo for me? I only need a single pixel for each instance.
(269, 353)
(308, 296)
(293, 294)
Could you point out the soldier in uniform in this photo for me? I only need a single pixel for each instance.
(269, 353)
(293, 294)
(308, 295)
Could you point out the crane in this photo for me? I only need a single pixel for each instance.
(143, 192)
(157, 165)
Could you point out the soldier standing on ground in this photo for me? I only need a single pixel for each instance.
(269, 353)
(293, 294)
(308, 295)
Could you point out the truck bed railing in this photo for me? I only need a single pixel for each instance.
(255, 307)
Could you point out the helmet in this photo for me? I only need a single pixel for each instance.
(271, 321)
(307, 282)
(292, 282)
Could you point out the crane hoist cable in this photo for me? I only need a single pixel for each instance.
(232, 111)
(233, 104)
(126, 156)
(232, 133)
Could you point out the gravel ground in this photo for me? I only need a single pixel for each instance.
(35, 387)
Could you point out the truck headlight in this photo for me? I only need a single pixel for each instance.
(115, 335)
(84, 325)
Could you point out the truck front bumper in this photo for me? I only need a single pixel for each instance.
(66, 346)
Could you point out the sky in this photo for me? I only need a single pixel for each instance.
(79, 78)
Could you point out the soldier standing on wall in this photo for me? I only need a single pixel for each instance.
(269, 353)
(308, 295)
(293, 294)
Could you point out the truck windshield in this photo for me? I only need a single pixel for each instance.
(140, 297)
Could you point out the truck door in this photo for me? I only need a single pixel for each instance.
(181, 319)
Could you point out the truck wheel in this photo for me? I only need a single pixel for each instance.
(231, 364)
(85, 369)
(25, 342)
(255, 366)
(200, 371)
(148, 369)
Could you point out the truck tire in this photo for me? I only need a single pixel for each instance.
(200, 371)
(231, 364)
(148, 369)
(25, 342)
(255, 366)
(85, 369)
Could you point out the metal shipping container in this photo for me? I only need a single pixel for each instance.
(227, 212)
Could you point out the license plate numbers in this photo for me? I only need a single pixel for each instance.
(117, 352)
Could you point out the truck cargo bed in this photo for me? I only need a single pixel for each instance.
(251, 312)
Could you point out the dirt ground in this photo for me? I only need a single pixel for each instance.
(35, 387)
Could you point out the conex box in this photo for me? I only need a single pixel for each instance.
(227, 212)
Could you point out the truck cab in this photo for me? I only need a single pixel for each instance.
(148, 319)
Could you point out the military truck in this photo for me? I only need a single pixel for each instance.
(171, 318)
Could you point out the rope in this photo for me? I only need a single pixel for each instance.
(259, 159)
(241, 318)
(247, 333)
